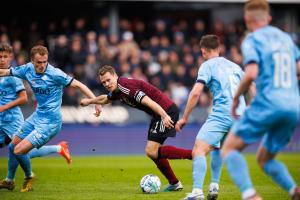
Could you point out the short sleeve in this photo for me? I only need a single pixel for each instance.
(19, 85)
(249, 52)
(19, 71)
(61, 78)
(204, 73)
(297, 53)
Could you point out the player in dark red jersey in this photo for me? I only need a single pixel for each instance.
(164, 112)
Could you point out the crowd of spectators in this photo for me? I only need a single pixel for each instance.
(163, 52)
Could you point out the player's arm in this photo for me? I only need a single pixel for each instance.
(22, 98)
(147, 101)
(250, 93)
(100, 100)
(250, 75)
(191, 103)
(298, 70)
(87, 92)
(4, 72)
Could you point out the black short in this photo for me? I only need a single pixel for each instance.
(157, 131)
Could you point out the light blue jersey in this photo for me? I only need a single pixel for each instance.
(11, 119)
(47, 87)
(45, 122)
(274, 110)
(222, 77)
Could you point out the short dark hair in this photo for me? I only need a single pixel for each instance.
(5, 47)
(39, 49)
(106, 68)
(210, 42)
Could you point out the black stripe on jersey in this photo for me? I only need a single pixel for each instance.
(200, 81)
(139, 95)
(70, 82)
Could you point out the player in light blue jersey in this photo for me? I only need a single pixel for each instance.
(13, 94)
(270, 58)
(222, 77)
(47, 83)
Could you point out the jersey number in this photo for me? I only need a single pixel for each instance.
(283, 70)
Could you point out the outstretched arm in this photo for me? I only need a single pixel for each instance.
(4, 72)
(87, 92)
(147, 101)
(191, 102)
(100, 100)
(22, 98)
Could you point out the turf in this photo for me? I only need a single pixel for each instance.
(118, 177)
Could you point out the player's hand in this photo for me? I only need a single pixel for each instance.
(168, 122)
(85, 102)
(235, 104)
(98, 110)
(180, 124)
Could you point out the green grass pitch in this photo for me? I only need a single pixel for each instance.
(118, 177)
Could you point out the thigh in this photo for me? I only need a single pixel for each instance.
(278, 137)
(213, 131)
(43, 133)
(252, 125)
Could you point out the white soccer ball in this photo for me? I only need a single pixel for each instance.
(150, 184)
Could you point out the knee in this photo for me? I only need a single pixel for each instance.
(151, 152)
(18, 150)
(261, 160)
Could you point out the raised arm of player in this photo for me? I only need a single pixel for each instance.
(22, 98)
(100, 100)
(250, 75)
(191, 102)
(87, 92)
(168, 122)
(4, 72)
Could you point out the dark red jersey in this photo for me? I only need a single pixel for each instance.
(132, 91)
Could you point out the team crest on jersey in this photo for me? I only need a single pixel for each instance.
(45, 77)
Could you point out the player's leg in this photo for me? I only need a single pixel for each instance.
(162, 164)
(237, 165)
(200, 150)
(216, 167)
(273, 142)
(61, 148)
(172, 152)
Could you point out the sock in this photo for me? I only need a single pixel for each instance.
(171, 152)
(164, 167)
(216, 165)
(23, 160)
(280, 174)
(238, 170)
(43, 151)
(199, 171)
(12, 163)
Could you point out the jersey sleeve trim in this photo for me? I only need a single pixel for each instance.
(201, 81)
(70, 82)
(10, 72)
(23, 89)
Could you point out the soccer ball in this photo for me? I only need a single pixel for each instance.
(150, 184)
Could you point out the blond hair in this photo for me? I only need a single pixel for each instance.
(39, 49)
(257, 9)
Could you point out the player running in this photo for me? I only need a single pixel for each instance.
(164, 112)
(270, 58)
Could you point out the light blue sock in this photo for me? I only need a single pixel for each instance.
(43, 151)
(280, 174)
(216, 165)
(12, 163)
(24, 161)
(199, 171)
(238, 170)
